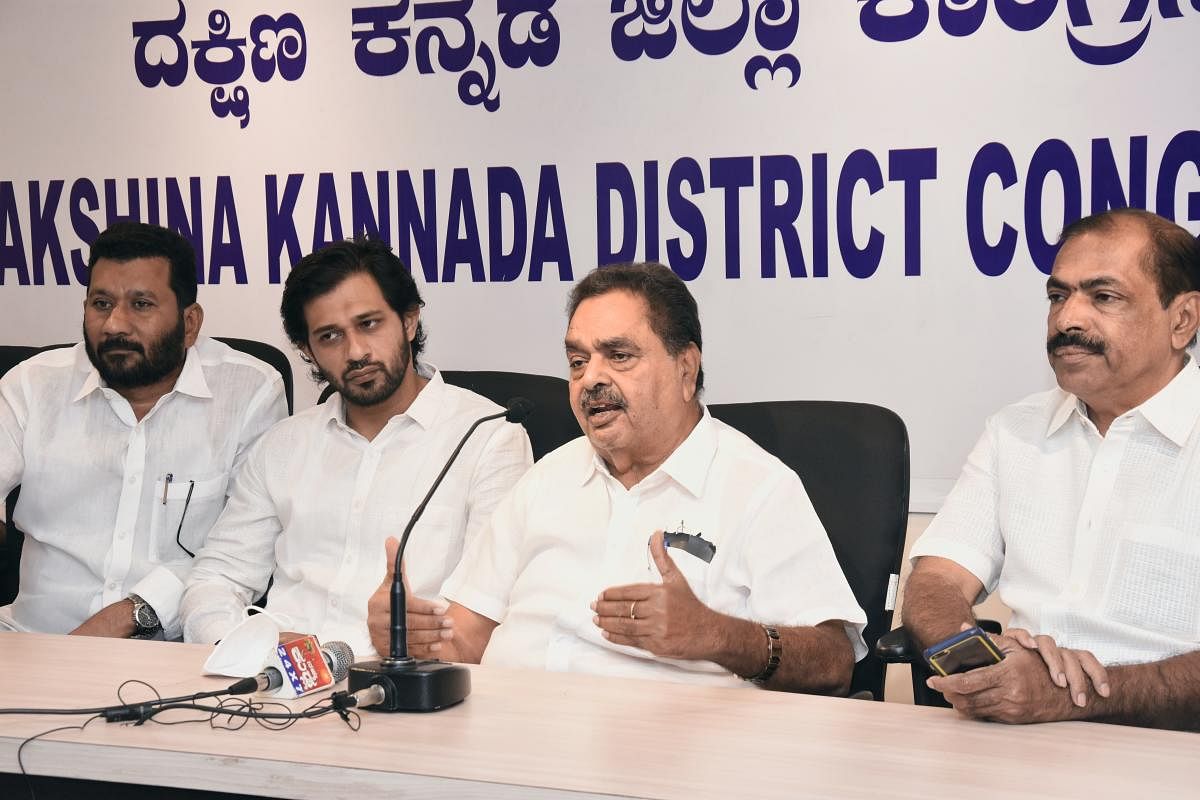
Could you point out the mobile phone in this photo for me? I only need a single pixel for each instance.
(964, 651)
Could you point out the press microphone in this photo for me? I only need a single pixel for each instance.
(293, 669)
(409, 684)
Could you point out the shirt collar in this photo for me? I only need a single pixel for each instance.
(687, 465)
(190, 381)
(424, 409)
(1173, 411)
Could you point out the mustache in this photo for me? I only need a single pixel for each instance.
(119, 343)
(1069, 339)
(601, 395)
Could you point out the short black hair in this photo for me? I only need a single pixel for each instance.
(125, 241)
(1172, 256)
(674, 315)
(322, 271)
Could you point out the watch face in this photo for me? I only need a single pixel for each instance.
(145, 617)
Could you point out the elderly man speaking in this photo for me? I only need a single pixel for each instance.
(662, 545)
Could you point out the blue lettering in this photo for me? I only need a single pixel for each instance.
(281, 225)
(861, 165)
(990, 259)
(133, 196)
(549, 248)
(1183, 149)
(43, 233)
(614, 177)
(363, 216)
(820, 215)
(732, 174)
(152, 215)
(12, 245)
(504, 184)
(1107, 191)
(780, 216)
(328, 217)
(650, 176)
(462, 249)
(688, 217)
(83, 192)
(417, 224)
(911, 167)
(226, 253)
(189, 227)
(1052, 155)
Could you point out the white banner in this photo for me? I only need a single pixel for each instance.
(863, 195)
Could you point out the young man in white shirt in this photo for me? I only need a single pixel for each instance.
(322, 492)
(124, 444)
(1081, 505)
(664, 544)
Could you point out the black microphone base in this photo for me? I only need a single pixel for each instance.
(413, 686)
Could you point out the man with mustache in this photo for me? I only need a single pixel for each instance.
(1081, 505)
(124, 444)
(322, 491)
(663, 544)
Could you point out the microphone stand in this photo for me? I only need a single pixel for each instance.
(421, 685)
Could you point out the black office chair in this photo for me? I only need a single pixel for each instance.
(551, 424)
(10, 548)
(267, 353)
(853, 460)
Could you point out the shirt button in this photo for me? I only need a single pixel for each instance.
(132, 479)
(112, 586)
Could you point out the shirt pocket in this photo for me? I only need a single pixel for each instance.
(196, 502)
(1154, 581)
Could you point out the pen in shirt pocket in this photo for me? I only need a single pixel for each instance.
(170, 476)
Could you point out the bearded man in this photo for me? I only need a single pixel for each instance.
(322, 491)
(124, 444)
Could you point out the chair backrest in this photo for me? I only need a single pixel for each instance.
(271, 355)
(10, 548)
(551, 424)
(853, 460)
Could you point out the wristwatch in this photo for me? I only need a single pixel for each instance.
(145, 620)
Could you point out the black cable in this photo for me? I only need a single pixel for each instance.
(114, 713)
(20, 747)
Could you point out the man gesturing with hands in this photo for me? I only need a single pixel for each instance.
(663, 544)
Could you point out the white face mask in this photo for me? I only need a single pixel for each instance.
(244, 650)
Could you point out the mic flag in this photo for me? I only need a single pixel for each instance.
(302, 667)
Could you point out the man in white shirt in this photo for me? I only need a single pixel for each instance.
(123, 445)
(322, 493)
(573, 574)
(1081, 505)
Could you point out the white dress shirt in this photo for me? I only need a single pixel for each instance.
(1093, 540)
(570, 530)
(97, 509)
(315, 502)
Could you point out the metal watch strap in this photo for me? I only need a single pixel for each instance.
(142, 609)
(774, 651)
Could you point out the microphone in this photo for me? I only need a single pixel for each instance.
(373, 695)
(293, 669)
(409, 684)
